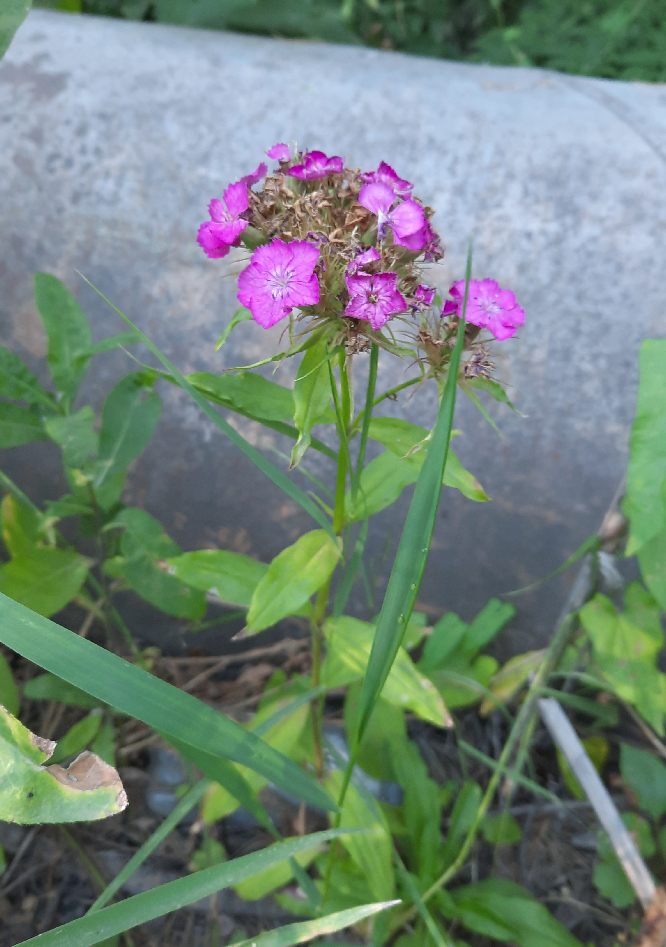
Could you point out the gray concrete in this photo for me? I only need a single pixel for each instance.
(114, 137)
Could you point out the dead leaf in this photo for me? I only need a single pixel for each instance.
(653, 929)
(88, 772)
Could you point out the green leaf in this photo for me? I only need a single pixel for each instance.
(68, 333)
(276, 476)
(30, 793)
(69, 505)
(230, 576)
(114, 342)
(12, 14)
(494, 389)
(644, 503)
(371, 850)
(349, 646)
(241, 315)
(44, 579)
(462, 817)
(137, 693)
(506, 683)
(312, 395)
(609, 876)
(104, 743)
(501, 829)
(89, 930)
(652, 561)
(414, 545)
(442, 642)
(129, 417)
(9, 695)
(78, 737)
(293, 576)
(646, 775)
(269, 880)
(143, 535)
(20, 527)
(487, 624)
(76, 435)
(248, 393)
(17, 381)
(506, 911)
(465, 682)
(422, 807)
(19, 425)
(307, 930)
(145, 577)
(51, 687)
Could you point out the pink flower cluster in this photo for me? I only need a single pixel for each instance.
(380, 282)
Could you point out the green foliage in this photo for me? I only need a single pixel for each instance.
(69, 335)
(9, 695)
(230, 576)
(609, 876)
(312, 396)
(646, 775)
(12, 14)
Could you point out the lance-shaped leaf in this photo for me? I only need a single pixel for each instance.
(241, 315)
(31, 793)
(69, 335)
(230, 576)
(18, 383)
(20, 526)
(44, 579)
(137, 693)
(99, 925)
(247, 392)
(304, 931)
(293, 576)
(129, 417)
(76, 435)
(312, 395)
(13, 13)
(414, 544)
(19, 425)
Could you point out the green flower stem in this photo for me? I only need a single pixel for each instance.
(367, 417)
(359, 419)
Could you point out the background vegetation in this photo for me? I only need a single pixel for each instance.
(615, 39)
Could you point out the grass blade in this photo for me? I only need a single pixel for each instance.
(137, 693)
(426, 917)
(270, 470)
(306, 930)
(290, 708)
(164, 899)
(187, 803)
(414, 544)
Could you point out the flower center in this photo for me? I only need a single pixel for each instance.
(279, 281)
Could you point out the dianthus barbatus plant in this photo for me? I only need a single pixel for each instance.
(341, 252)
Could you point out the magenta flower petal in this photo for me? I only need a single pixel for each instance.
(279, 152)
(363, 259)
(228, 232)
(316, 164)
(226, 224)
(413, 241)
(386, 175)
(488, 306)
(236, 199)
(425, 294)
(407, 219)
(210, 243)
(377, 198)
(374, 298)
(251, 179)
(279, 277)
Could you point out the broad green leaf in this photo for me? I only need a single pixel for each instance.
(305, 931)
(45, 579)
(312, 395)
(143, 535)
(76, 435)
(505, 911)
(280, 479)
(501, 829)
(89, 930)
(644, 503)
(349, 644)
(487, 624)
(69, 505)
(442, 642)
(247, 392)
(9, 695)
(50, 687)
(421, 808)
(210, 852)
(293, 576)
(30, 793)
(646, 775)
(241, 315)
(463, 815)
(642, 610)
(20, 527)
(19, 425)
(506, 683)
(652, 561)
(137, 693)
(230, 576)
(129, 417)
(149, 580)
(372, 850)
(494, 389)
(463, 683)
(12, 14)
(78, 737)
(68, 333)
(269, 880)
(17, 381)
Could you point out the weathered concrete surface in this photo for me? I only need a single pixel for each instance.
(116, 135)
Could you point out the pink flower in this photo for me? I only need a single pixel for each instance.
(217, 236)
(386, 175)
(362, 260)
(406, 220)
(488, 306)
(251, 179)
(280, 277)
(279, 152)
(315, 165)
(374, 298)
(423, 296)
